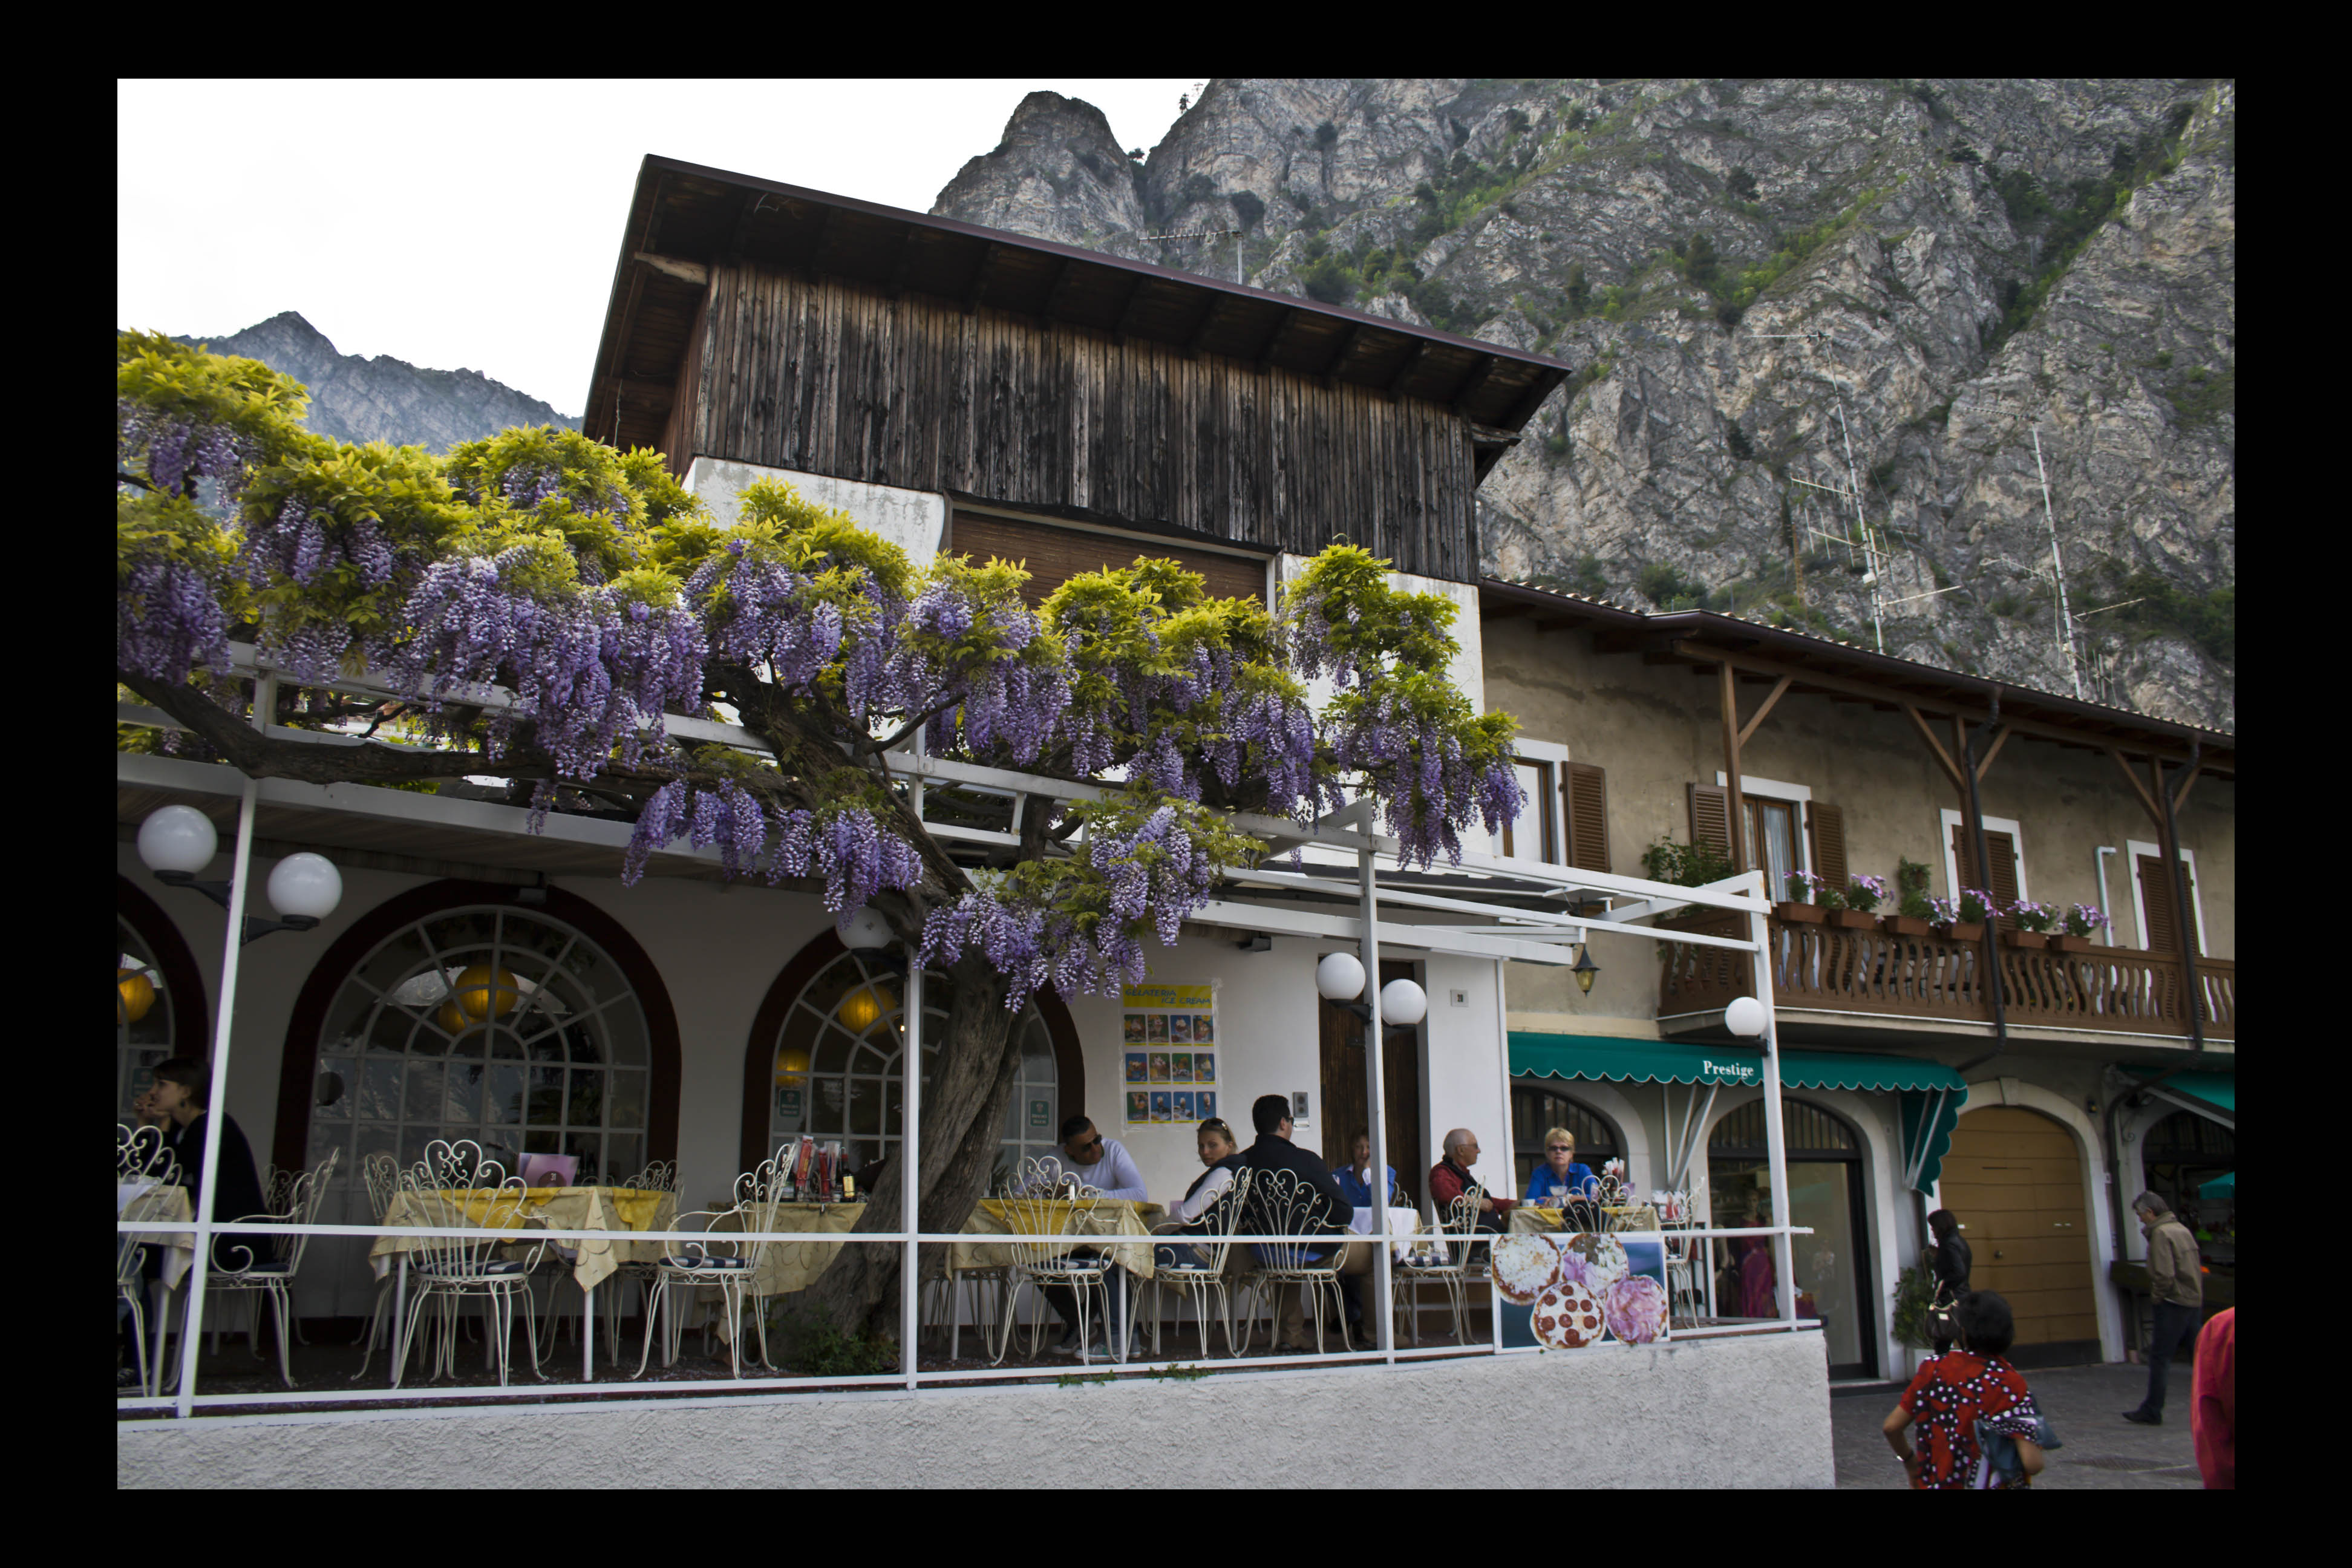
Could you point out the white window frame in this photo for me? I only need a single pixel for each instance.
(2135, 848)
(1552, 758)
(1949, 819)
(1797, 795)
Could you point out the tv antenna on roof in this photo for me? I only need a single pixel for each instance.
(2058, 572)
(1213, 234)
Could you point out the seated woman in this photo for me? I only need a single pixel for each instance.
(183, 1089)
(1220, 1157)
(1560, 1177)
(1355, 1178)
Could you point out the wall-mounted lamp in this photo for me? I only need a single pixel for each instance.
(178, 841)
(1744, 1018)
(1256, 941)
(1584, 968)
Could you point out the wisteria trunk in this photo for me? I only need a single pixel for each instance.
(962, 1119)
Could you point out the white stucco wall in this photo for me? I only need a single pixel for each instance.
(915, 520)
(1746, 1412)
(1269, 1043)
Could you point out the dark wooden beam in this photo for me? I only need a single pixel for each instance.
(1054, 290)
(1201, 329)
(905, 259)
(980, 276)
(1747, 731)
(1126, 317)
(1474, 384)
(2188, 777)
(2147, 801)
(739, 239)
(693, 272)
(1734, 807)
(1627, 641)
(1412, 363)
(811, 256)
(1985, 765)
(1265, 353)
(1331, 371)
(1943, 758)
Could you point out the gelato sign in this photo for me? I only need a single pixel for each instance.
(1712, 1072)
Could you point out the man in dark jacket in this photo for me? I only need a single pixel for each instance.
(2176, 1283)
(1273, 1150)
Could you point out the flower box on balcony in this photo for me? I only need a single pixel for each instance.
(1800, 914)
(2029, 941)
(1906, 925)
(1853, 919)
(2067, 942)
(1962, 931)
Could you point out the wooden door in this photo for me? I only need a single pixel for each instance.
(2015, 1178)
(1346, 1089)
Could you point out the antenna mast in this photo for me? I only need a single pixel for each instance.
(2058, 571)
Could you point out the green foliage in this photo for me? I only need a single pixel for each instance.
(1668, 589)
(2203, 396)
(1911, 889)
(1700, 264)
(1684, 864)
(1740, 183)
(1330, 280)
(2209, 619)
(1915, 1287)
(1789, 248)
(813, 1347)
(1248, 208)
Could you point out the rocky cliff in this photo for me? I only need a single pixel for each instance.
(386, 399)
(1883, 289)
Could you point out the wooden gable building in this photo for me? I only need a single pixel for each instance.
(757, 322)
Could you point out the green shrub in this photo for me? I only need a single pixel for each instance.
(1326, 135)
(1330, 279)
(2203, 397)
(1741, 184)
(1737, 439)
(1248, 208)
(1684, 864)
(1667, 588)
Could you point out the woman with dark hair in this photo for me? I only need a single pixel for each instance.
(1949, 1259)
(182, 1096)
(1964, 1396)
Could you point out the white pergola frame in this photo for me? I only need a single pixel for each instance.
(1467, 926)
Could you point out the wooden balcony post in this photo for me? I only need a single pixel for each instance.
(1736, 809)
(2184, 914)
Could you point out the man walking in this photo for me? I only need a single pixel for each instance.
(2176, 1283)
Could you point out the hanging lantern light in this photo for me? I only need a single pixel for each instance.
(863, 930)
(482, 993)
(1584, 968)
(452, 1018)
(134, 993)
(863, 1006)
(791, 1066)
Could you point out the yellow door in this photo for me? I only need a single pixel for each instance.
(2014, 1179)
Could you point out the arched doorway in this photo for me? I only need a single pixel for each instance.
(1536, 1108)
(828, 1060)
(2014, 1179)
(159, 1001)
(2179, 1155)
(1825, 1194)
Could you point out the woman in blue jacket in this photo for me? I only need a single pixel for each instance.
(1559, 1176)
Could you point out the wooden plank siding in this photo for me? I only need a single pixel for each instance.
(833, 378)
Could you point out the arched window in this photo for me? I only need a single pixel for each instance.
(503, 1025)
(142, 1016)
(1535, 1111)
(838, 1064)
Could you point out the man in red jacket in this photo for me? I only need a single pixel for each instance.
(2213, 1405)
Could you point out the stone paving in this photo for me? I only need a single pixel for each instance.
(2103, 1451)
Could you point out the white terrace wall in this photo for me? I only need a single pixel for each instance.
(1746, 1412)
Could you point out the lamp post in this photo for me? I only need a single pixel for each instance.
(1750, 1019)
(178, 841)
(863, 931)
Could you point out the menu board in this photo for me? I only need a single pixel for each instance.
(1171, 1034)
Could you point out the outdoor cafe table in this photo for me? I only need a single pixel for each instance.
(1529, 1221)
(177, 1249)
(616, 1209)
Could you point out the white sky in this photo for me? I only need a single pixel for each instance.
(475, 225)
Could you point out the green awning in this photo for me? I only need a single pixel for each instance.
(2218, 1089)
(1931, 1092)
(1629, 1061)
(2220, 1188)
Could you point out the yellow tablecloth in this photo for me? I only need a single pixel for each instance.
(1110, 1218)
(1526, 1220)
(616, 1209)
(167, 1205)
(788, 1265)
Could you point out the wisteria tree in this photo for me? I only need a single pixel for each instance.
(589, 586)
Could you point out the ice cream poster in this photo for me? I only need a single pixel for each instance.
(1157, 1018)
(1581, 1292)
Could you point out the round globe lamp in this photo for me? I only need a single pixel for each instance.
(1744, 1018)
(482, 993)
(1403, 1003)
(863, 930)
(791, 1066)
(177, 839)
(1340, 978)
(305, 886)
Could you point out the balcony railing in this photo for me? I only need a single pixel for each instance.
(1841, 969)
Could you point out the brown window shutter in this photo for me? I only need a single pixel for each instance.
(1962, 860)
(2001, 851)
(1587, 790)
(1055, 555)
(2156, 898)
(1827, 825)
(1710, 817)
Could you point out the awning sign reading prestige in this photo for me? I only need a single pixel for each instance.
(1630, 1061)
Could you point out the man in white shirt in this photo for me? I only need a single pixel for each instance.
(1090, 1160)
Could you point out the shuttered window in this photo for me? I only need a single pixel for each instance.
(1528, 836)
(1826, 825)
(2155, 901)
(1586, 791)
(1710, 817)
(1055, 555)
(2002, 850)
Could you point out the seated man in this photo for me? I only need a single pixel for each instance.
(1274, 1152)
(1090, 1160)
(1451, 1177)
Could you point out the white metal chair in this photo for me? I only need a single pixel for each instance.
(142, 1152)
(443, 1192)
(380, 1174)
(990, 1289)
(1040, 1221)
(1456, 1237)
(271, 1271)
(1282, 1203)
(658, 1176)
(725, 1260)
(1198, 1278)
(130, 1273)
